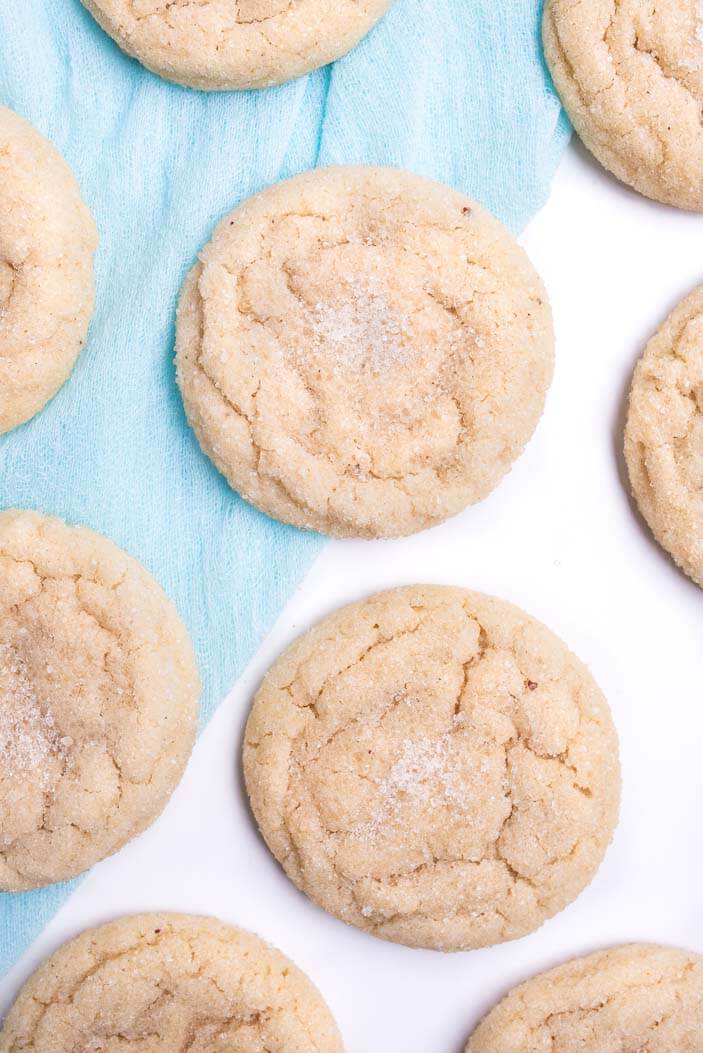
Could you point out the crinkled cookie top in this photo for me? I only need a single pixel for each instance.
(47, 240)
(223, 44)
(167, 982)
(435, 767)
(98, 696)
(664, 435)
(630, 74)
(363, 352)
(633, 999)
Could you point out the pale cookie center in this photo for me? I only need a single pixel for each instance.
(7, 281)
(28, 731)
(360, 330)
(428, 775)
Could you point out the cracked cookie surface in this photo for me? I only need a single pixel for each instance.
(47, 241)
(363, 352)
(630, 74)
(664, 435)
(435, 767)
(632, 999)
(218, 45)
(98, 699)
(157, 983)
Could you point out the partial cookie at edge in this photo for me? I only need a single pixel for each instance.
(47, 241)
(98, 699)
(630, 76)
(218, 45)
(664, 435)
(169, 980)
(634, 997)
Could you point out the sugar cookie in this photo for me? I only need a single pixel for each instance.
(435, 767)
(630, 74)
(98, 696)
(363, 352)
(167, 982)
(664, 435)
(629, 999)
(47, 240)
(223, 44)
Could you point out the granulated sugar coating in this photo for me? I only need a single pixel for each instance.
(427, 773)
(359, 330)
(633, 999)
(47, 240)
(161, 983)
(630, 74)
(98, 694)
(664, 435)
(363, 352)
(223, 44)
(28, 733)
(435, 767)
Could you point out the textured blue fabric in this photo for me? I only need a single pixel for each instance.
(453, 89)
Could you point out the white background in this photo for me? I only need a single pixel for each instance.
(560, 538)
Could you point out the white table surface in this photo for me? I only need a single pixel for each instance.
(560, 538)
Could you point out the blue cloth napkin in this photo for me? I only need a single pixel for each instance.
(452, 89)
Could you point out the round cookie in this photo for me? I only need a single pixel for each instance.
(664, 435)
(363, 352)
(98, 699)
(630, 74)
(629, 999)
(218, 45)
(47, 240)
(167, 982)
(433, 766)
